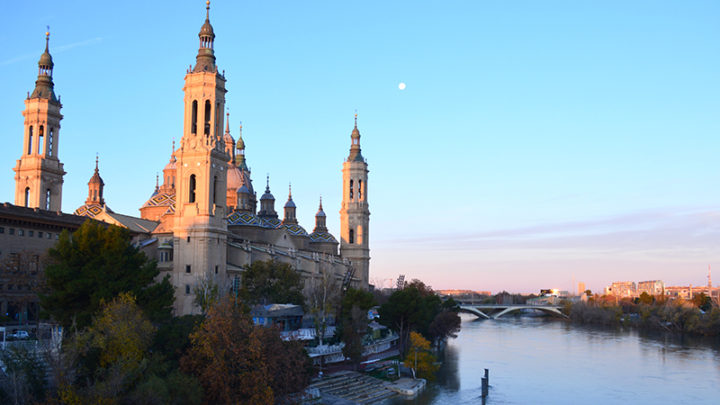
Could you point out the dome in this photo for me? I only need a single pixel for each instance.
(171, 165)
(267, 195)
(46, 60)
(207, 30)
(290, 204)
(234, 178)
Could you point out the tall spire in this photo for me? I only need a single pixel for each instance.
(44, 84)
(205, 61)
(355, 144)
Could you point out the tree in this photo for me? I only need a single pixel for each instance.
(289, 367)
(207, 292)
(96, 263)
(227, 357)
(420, 357)
(702, 301)
(323, 297)
(411, 309)
(23, 381)
(645, 298)
(111, 352)
(353, 322)
(271, 282)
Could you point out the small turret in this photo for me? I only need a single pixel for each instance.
(290, 210)
(95, 187)
(267, 203)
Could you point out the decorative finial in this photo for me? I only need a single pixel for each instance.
(207, 8)
(227, 123)
(96, 161)
(355, 118)
(173, 146)
(321, 202)
(157, 181)
(267, 186)
(47, 38)
(289, 191)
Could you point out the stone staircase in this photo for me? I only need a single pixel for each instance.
(354, 387)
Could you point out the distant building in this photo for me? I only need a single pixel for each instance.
(622, 289)
(652, 287)
(581, 288)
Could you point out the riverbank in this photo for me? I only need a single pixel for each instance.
(670, 316)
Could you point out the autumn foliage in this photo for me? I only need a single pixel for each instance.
(238, 362)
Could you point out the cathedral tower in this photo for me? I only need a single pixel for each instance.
(200, 202)
(355, 213)
(39, 173)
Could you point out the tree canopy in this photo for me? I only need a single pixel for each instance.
(95, 263)
(238, 362)
(417, 308)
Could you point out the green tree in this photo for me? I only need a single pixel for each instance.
(645, 298)
(96, 263)
(353, 322)
(271, 282)
(412, 309)
(702, 301)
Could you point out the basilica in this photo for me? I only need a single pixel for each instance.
(202, 222)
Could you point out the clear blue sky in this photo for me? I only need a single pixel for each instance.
(536, 141)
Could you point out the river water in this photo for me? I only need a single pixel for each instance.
(536, 360)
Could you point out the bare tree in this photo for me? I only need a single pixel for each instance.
(324, 297)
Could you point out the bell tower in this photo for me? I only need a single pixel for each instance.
(200, 232)
(39, 173)
(355, 212)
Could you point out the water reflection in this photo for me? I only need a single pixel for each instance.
(541, 360)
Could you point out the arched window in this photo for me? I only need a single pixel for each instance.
(208, 111)
(27, 196)
(41, 140)
(214, 190)
(194, 117)
(30, 139)
(47, 199)
(351, 237)
(359, 189)
(50, 142)
(191, 186)
(351, 189)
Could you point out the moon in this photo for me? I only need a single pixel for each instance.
(401, 86)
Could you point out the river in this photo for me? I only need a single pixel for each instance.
(536, 360)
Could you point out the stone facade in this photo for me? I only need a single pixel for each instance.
(203, 222)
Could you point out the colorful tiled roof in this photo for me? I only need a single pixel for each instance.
(89, 210)
(161, 200)
(272, 223)
(244, 218)
(294, 229)
(322, 237)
